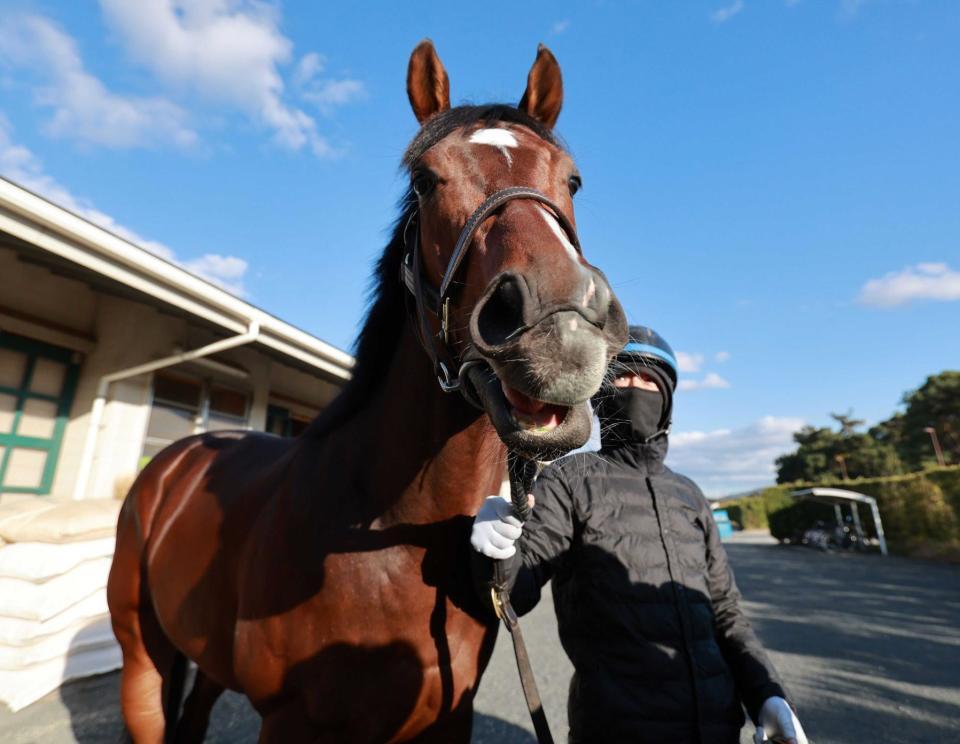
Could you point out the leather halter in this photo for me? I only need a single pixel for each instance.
(448, 366)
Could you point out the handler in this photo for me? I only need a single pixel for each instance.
(646, 604)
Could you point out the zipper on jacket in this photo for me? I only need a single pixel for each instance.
(680, 603)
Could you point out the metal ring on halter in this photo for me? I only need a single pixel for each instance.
(449, 385)
(446, 384)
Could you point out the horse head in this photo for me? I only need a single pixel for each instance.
(508, 307)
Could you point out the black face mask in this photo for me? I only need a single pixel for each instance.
(630, 414)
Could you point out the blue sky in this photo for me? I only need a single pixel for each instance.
(774, 185)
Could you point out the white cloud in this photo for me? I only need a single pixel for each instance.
(83, 108)
(20, 165)
(711, 381)
(325, 94)
(726, 461)
(227, 271)
(309, 67)
(689, 362)
(721, 356)
(724, 14)
(227, 51)
(924, 281)
(560, 26)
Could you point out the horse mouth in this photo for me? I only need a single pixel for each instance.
(531, 414)
(534, 428)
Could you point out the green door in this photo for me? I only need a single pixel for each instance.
(37, 383)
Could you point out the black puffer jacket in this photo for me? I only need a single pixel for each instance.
(647, 607)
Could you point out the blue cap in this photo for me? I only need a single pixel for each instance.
(646, 343)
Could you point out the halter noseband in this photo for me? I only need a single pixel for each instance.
(448, 367)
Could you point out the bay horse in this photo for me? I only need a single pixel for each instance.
(327, 577)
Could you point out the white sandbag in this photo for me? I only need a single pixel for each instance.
(20, 688)
(37, 561)
(62, 522)
(12, 513)
(78, 637)
(30, 601)
(16, 631)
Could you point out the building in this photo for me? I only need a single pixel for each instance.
(109, 352)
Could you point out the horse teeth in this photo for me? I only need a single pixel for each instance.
(529, 423)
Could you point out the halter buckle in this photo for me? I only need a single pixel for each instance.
(495, 601)
(445, 319)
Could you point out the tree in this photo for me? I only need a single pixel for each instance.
(935, 404)
(820, 452)
(812, 458)
(848, 424)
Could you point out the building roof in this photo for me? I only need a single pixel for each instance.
(70, 238)
(832, 495)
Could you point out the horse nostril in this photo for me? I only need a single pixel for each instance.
(501, 314)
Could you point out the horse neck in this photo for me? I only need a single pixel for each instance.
(432, 456)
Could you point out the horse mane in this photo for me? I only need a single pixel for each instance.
(381, 332)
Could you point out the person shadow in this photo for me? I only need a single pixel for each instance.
(489, 729)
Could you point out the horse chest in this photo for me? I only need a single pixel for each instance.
(373, 623)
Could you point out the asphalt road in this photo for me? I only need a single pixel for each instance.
(869, 647)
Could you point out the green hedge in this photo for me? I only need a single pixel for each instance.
(920, 511)
(748, 514)
(752, 512)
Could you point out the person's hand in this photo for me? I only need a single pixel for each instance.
(495, 529)
(779, 723)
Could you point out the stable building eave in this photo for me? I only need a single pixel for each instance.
(73, 239)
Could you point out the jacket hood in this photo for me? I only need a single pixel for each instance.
(636, 453)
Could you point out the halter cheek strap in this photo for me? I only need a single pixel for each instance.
(450, 370)
(448, 367)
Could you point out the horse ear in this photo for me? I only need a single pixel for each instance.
(428, 86)
(544, 94)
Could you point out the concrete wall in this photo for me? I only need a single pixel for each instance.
(128, 334)
(115, 334)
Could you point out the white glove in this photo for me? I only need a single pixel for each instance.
(779, 723)
(495, 529)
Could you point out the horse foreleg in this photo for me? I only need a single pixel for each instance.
(148, 656)
(195, 718)
(141, 689)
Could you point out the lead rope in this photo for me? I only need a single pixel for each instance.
(521, 473)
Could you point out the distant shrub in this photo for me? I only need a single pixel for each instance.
(920, 511)
(748, 513)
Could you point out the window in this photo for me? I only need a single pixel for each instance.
(228, 409)
(284, 423)
(37, 382)
(185, 405)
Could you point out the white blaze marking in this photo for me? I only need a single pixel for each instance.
(561, 235)
(502, 139)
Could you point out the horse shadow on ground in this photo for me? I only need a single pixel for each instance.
(366, 710)
(94, 709)
(493, 730)
(95, 718)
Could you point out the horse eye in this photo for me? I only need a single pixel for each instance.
(423, 183)
(575, 184)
